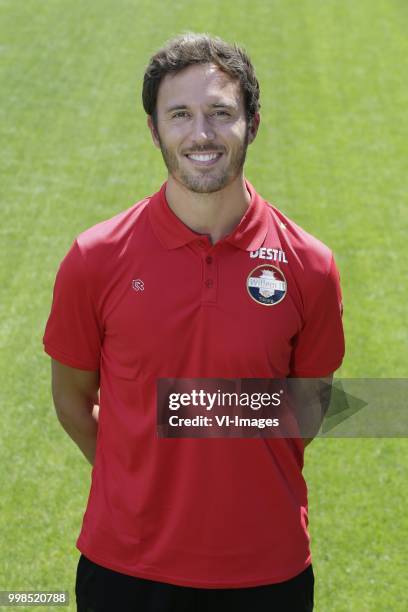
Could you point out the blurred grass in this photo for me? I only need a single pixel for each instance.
(331, 153)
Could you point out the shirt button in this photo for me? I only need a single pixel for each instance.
(208, 259)
(209, 283)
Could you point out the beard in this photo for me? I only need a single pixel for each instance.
(205, 181)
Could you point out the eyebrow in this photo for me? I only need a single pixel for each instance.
(177, 107)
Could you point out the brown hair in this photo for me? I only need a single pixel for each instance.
(190, 48)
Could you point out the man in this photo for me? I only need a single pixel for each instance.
(204, 279)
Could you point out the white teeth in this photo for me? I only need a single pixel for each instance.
(203, 157)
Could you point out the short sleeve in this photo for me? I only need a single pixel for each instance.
(73, 333)
(319, 347)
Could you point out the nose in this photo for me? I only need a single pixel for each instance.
(202, 131)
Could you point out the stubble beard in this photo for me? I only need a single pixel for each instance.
(207, 182)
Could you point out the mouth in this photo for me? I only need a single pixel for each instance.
(204, 159)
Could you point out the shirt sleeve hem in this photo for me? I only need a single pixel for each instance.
(68, 360)
(318, 373)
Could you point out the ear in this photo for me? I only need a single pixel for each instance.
(153, 131)
(253, 128)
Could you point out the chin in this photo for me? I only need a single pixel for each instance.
(203, 185)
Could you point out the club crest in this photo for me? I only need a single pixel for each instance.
(267, 285)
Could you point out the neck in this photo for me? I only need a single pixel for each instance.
(215, 214)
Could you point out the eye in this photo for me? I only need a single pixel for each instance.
(179, 115)
(222, 113)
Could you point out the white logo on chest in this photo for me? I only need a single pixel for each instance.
(271, 254)
(138, 284)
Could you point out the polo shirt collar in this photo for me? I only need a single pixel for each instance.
(249, 234)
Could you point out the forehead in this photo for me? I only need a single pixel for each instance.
(199, 84)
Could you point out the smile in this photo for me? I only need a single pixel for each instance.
(204, 159)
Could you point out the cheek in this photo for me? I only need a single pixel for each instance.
(177, 139)
(237, 138)
(169, 133)
(236, 133)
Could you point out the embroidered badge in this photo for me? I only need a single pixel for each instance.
(267, 285)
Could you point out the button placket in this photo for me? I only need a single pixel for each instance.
(210, 279)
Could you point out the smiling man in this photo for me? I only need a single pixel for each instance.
(203, 279)
(203, 136)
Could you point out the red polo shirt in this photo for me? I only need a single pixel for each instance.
(142, 297)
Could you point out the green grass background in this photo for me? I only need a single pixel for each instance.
(331, 153)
